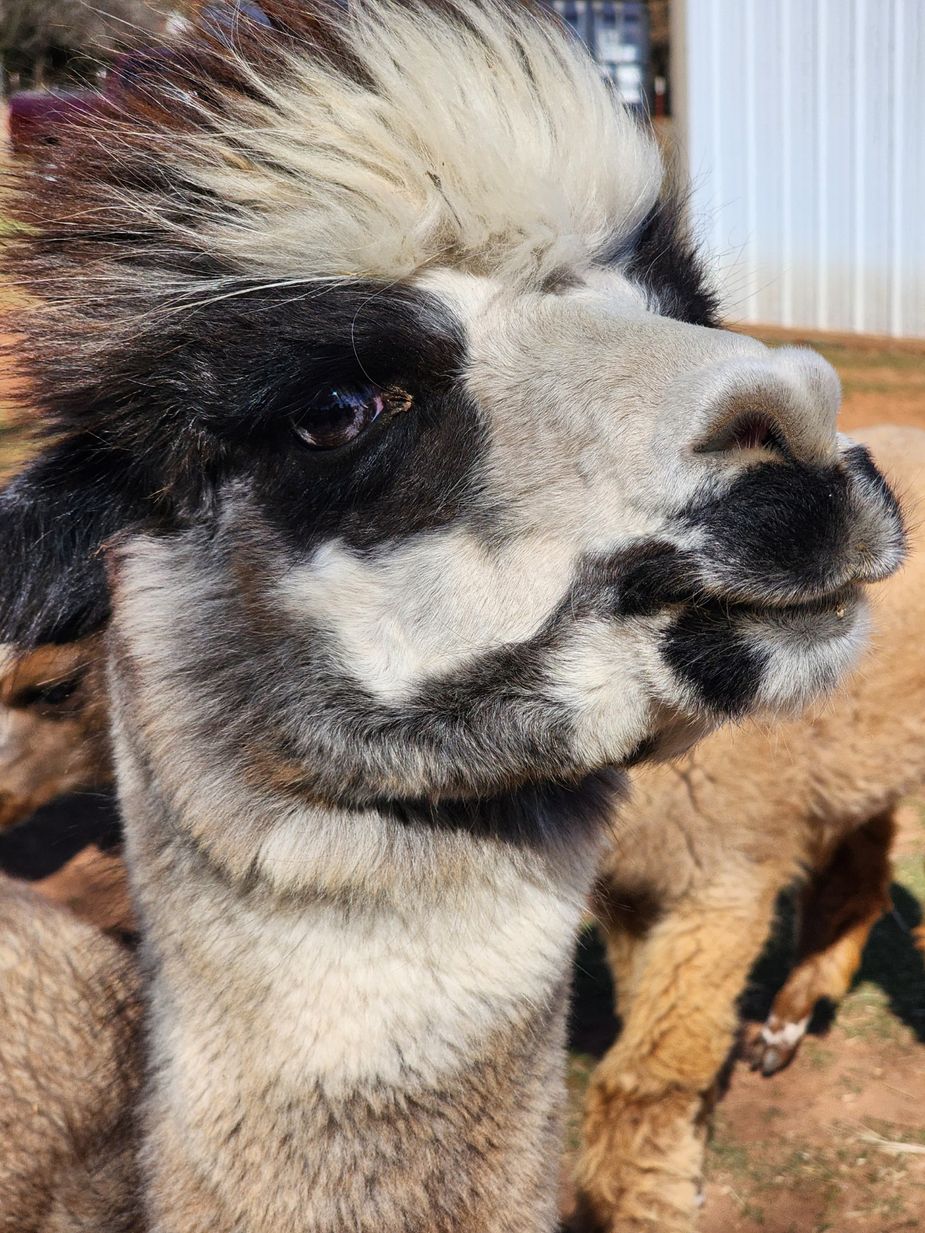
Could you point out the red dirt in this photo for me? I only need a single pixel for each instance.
(810, 1150)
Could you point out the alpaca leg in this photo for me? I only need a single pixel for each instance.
(840, 906)
(626, 959)
(649, 1101)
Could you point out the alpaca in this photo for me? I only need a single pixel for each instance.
(69, 1071)
(395, 447)
(53, 726)
(70, 1005)
(687, 898)
(56, 782)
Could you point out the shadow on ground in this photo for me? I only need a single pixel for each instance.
(891, 963)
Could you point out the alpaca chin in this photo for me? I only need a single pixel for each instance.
(810, 651)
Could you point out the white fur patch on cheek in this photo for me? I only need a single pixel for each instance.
(428, 607)
(610, 678)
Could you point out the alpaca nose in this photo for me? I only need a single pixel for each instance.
(744, 428)
(782, 402)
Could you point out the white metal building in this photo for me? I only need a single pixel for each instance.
(803, 122)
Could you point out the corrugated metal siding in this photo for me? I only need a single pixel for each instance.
(804, 126)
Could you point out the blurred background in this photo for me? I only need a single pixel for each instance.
(800, 123)
(801, 127)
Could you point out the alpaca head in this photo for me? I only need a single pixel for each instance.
(52, 726)
(380, 373)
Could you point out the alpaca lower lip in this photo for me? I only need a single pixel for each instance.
(840, 605)
(820, 616)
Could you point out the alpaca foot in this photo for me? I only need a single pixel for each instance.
(772, 1045)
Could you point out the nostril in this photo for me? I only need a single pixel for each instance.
(752, 432)
(746, 430)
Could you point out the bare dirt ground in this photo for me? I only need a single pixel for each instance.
(835, 1144)
(837, 1141)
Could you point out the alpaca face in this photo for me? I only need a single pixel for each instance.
(393, 375)
(559, 503)
(52, 727)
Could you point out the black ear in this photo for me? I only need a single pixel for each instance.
(55, 517)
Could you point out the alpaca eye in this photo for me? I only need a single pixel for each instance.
(338, 417)
(45, 695)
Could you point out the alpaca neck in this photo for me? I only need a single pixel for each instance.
(341, 1062)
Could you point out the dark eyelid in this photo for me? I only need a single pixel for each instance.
(52, 693)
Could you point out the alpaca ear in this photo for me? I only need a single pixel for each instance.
(55, 517)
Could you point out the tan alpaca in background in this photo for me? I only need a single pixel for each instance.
(69, 1012)
(54, 743)
(705, 846)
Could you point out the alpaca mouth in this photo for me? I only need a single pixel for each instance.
(812, 615)
(802, 621)
(737, 656)
(660, 577)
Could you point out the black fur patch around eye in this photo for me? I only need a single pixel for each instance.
(208, 401)
(413, 471)
(247, 369)
(704, 649)
(418, 473)
(779, 529)
(253, 360)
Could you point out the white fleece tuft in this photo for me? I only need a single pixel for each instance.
(484, 139)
